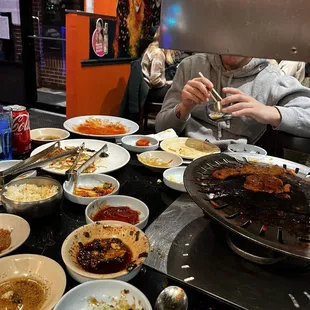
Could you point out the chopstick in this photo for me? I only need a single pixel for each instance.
(215, 95)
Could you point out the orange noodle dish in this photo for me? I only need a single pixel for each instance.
(97, 126)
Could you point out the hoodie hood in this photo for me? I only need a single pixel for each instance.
(255, 66)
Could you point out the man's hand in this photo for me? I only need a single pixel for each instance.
(195, 92)
(244, 105)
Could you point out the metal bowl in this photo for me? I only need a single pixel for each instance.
(34, 209)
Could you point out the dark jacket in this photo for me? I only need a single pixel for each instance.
(135, 94)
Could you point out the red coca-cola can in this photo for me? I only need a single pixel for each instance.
(21, 142)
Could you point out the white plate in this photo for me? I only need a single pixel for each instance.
(189, 148)
(116, 201)
(118, 156)
(89, 180)
(40, 268)
(129, 143)
(75, 121)
(19, 229)
(173, 178)
(102, 290)
(6, 164)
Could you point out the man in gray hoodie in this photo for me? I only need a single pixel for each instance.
(253, 91)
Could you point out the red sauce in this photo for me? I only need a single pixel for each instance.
(123, 214)
(143, 142)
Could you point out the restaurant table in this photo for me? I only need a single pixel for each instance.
(48, 233)
(221, 277)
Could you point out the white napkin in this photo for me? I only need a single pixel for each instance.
(163, 135)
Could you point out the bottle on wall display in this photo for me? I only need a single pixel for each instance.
(106, 39)
(98, 38)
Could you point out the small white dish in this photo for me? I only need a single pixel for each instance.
(246, 148)
(170, 160)
(116, 201)
(173, 178)
(89, 180)
(129, 143)
(19, 229)
(104, 291)
(44, 135)
(132, 236)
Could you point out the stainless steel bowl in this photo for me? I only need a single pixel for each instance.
(34, 209)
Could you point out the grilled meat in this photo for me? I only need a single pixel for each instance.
(247, 169)
(266, 183)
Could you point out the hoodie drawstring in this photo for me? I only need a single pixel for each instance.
(218, 87)
(228, 85)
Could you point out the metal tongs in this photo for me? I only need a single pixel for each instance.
(34, 162)
(73, 173)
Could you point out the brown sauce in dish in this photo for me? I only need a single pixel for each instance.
(43, 138)
(122, 213)
(5, 239)
(103, 256)
(22, 293)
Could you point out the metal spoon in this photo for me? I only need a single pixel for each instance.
(172, 298)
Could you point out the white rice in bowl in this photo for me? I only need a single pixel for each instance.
(30, 192)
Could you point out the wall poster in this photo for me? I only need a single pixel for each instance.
(135, 20)
(129, 35)
(102, 32)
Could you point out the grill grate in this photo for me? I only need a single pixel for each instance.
(278, 223)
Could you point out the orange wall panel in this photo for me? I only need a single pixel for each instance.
(104, 7)
(90, 90)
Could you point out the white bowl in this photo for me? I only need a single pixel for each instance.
(162, 156)
(19, 229)
(116, 201)
(246, 148)
(89, 180)
(129, 143)
(40, 268)
(173, 178)
(44, 135)
(102, 290)
(132, 236)
(82, 278)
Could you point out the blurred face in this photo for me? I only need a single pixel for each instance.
(234, 62)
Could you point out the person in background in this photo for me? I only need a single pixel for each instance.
(297, 69)
(154, 63)
(253, 91)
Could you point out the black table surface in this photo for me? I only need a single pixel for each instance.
(47, 234)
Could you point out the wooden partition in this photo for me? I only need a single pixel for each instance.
(96, 88)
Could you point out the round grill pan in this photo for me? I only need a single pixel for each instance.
(277, 223)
